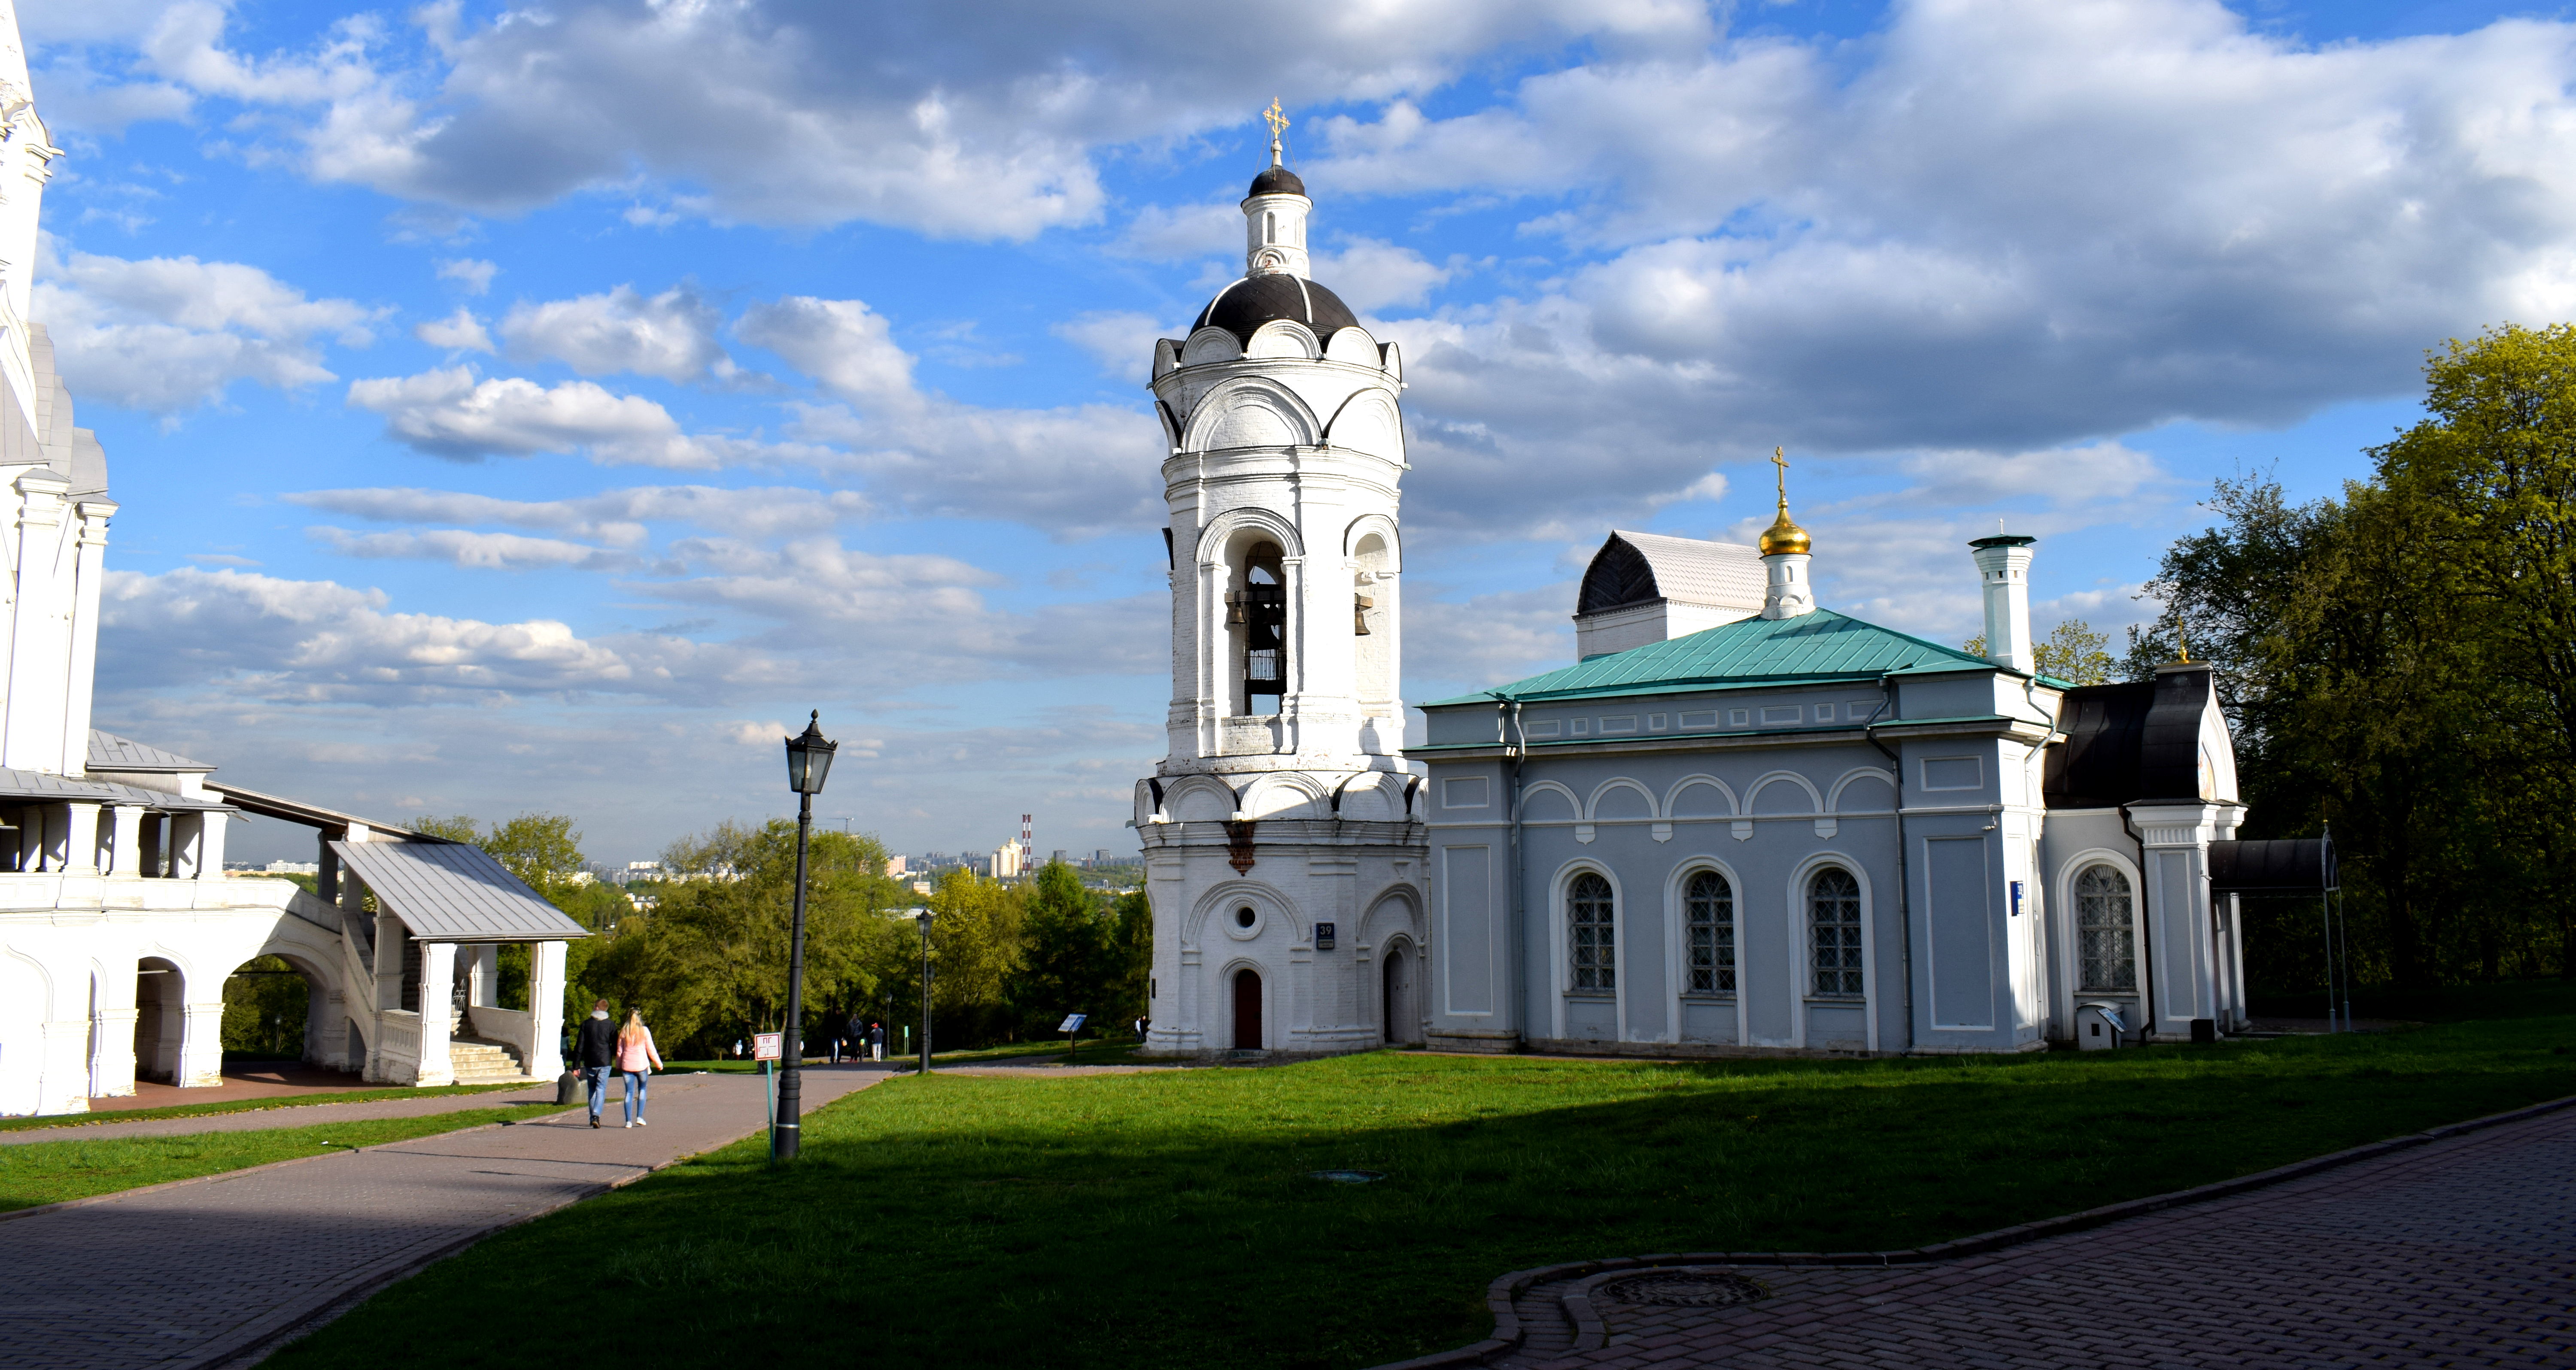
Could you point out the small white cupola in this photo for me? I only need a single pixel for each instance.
(2003, 564)
(1786, 590)
(1274, 213)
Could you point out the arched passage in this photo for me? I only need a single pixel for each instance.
(269, 1004)
(1247, 1009)
(160, 1019)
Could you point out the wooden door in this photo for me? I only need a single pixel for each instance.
(1247, 1010)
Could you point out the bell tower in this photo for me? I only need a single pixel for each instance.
(1281, 830)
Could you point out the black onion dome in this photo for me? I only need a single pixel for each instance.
(1276, 180)
(1243, 307)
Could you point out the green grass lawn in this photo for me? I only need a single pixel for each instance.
(1166, 1219)
(136, 1115)
(1091, 1049)
(33, 1173)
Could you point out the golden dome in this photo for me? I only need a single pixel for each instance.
(1784, 535)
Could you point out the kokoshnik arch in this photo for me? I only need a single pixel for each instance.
(118, 924)
(1741, 823)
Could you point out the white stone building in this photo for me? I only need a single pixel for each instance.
(118, 924)
(1283, 854)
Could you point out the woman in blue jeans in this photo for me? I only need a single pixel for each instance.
(636, 1060)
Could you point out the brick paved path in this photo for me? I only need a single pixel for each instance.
(2458, 1253)
(198, 1274)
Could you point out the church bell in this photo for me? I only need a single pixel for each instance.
(1360, 605)
(1234, 606)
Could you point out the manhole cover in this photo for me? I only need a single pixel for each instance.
(1347, 1176)
(1691, 1289)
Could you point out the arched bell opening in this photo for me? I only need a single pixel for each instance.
(1257, 628)
(1372, 625)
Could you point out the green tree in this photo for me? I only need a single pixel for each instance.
(1067, 963)
(1133, 943)
(975, 947)
(2071, 652)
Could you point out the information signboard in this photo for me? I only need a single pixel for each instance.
(1072, 1022)
(765, 1046)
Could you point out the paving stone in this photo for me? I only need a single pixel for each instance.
(197, 1274)
(2457, 1253)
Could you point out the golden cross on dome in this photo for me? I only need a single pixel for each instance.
(1278, 121)
(1780, 458)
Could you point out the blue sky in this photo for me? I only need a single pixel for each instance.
(540, 408)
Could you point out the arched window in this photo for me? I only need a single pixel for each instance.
(2106, 929)
(1588, 914)
(1708, 906)
(1833, 915)
(1270, 228)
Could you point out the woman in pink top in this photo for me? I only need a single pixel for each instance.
(636, 1060)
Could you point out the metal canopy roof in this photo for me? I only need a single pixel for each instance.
(108, 752)
(2279, 865)
(1818, 647)
(297, 811)
(450, 892)
(46, 787)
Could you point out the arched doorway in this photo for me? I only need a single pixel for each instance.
(1403, 1006)
(268, 1007)
(1247, 1010)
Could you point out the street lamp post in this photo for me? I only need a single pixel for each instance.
(809, 759)
(923, 918)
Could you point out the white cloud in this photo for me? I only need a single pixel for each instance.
(458, 332)
(953, 122)
(452, 413)
(166, 334)
(471, 274)
(1174, 232)
(615, 517)
(671, 335)
(1122, 341)
(1369, 274)
(475, 551)
(844, 345)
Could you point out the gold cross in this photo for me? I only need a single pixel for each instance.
(1278, 122)
(1780, 458)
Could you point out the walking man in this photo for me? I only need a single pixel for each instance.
(876, 1040)
(598, 1055)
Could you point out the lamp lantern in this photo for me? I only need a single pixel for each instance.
(809, 757)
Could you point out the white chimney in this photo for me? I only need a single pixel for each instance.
(2003, 563)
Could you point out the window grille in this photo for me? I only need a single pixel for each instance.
(1710, 907)
(2106, 929)
(1833, 912)
(1588, 914)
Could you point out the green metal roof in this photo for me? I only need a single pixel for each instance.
(1818, 648)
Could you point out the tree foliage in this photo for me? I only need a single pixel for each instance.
(2400, 664)
(2072, 652)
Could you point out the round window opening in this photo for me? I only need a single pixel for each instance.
(1243, 917)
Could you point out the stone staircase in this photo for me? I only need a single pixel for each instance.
(479, 1062)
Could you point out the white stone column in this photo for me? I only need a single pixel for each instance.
(64, 1085)
(437, 985)
(483, 978)
(125, 851)
(201, 1047)
(545, 1009)
(210, 845)
(80, 845)
(187, 845)
(39, 647)
(89, 573)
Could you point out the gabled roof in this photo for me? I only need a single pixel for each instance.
(450, 892)
(1817, 647)
(1638, 568)
(108, 752)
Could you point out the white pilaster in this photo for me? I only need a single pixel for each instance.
(2182, 965)
(201, 1047)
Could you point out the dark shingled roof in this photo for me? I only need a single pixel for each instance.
(2130, 742)
(1277, 180)
(1243, 307)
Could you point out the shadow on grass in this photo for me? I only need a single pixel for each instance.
(1167, 1219)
